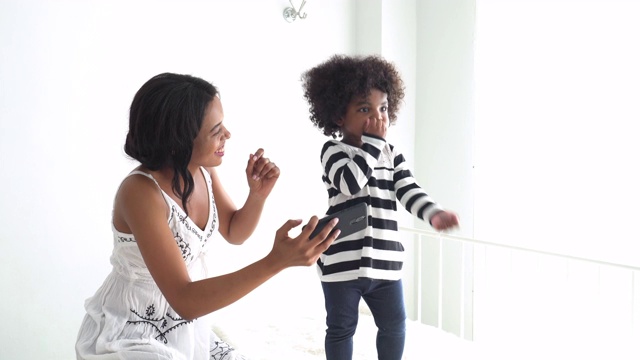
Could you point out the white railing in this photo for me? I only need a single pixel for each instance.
(486, 291)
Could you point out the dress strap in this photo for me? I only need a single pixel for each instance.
(209, 182)
(138, 172)
(164, 195)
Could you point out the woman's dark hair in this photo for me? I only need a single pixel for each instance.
(330, 87)
(165, 117)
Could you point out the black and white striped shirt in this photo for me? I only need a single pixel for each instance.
(377, 175)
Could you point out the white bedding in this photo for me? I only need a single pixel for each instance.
(284, 320)
(295, 336)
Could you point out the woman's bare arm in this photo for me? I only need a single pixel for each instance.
(236, 225)
(143, 208)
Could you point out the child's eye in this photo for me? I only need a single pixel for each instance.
(384, 109)
(364, 109)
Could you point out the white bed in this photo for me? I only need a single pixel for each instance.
(566, 308)
(292, 335)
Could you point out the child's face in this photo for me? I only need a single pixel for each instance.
(359, 110)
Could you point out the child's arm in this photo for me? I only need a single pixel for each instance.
(444, 220)
(417, 201)
(350, 175)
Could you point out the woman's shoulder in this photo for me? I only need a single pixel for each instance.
(210, 175)
(138, 194)
(139, 176)
(139, 184)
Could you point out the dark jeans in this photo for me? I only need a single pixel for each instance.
(386, 302)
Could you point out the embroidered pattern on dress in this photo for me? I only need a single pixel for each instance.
(220, 350)
(194, 230)
(126, 239)
(214, 218)
(184, 247)
(173, 210)
(161, 325)
(183, 220)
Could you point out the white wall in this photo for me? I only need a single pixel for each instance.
(444, 150)
(68, 71)
(388, 28)
(567, 95)
(431, 42)
(567, 173)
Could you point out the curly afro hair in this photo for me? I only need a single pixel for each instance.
(330, 87)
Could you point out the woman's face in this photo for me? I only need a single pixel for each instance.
(208, 146)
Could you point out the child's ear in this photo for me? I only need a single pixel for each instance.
(339, 122)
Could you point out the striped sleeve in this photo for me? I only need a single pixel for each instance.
(410, 194)
(349, 173)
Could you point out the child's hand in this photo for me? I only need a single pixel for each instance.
(262, 174)
(376, 127)
(444, 220)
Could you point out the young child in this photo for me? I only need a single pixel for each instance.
(356, 98)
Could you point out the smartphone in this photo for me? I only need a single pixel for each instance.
(351, 220)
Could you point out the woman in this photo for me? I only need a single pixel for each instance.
(167, 214)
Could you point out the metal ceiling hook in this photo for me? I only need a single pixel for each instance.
(290, 13)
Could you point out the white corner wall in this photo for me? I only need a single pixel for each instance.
(68, 71)
(443, 151)
(388, 28)
(431, 42)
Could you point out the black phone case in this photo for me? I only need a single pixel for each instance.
(351, 220)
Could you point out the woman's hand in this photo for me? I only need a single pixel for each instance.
(262, 174)
(302, 251)
(444, 220)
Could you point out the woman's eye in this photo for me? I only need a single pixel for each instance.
(219, 131)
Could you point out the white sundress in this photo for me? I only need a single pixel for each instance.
(129, 318)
